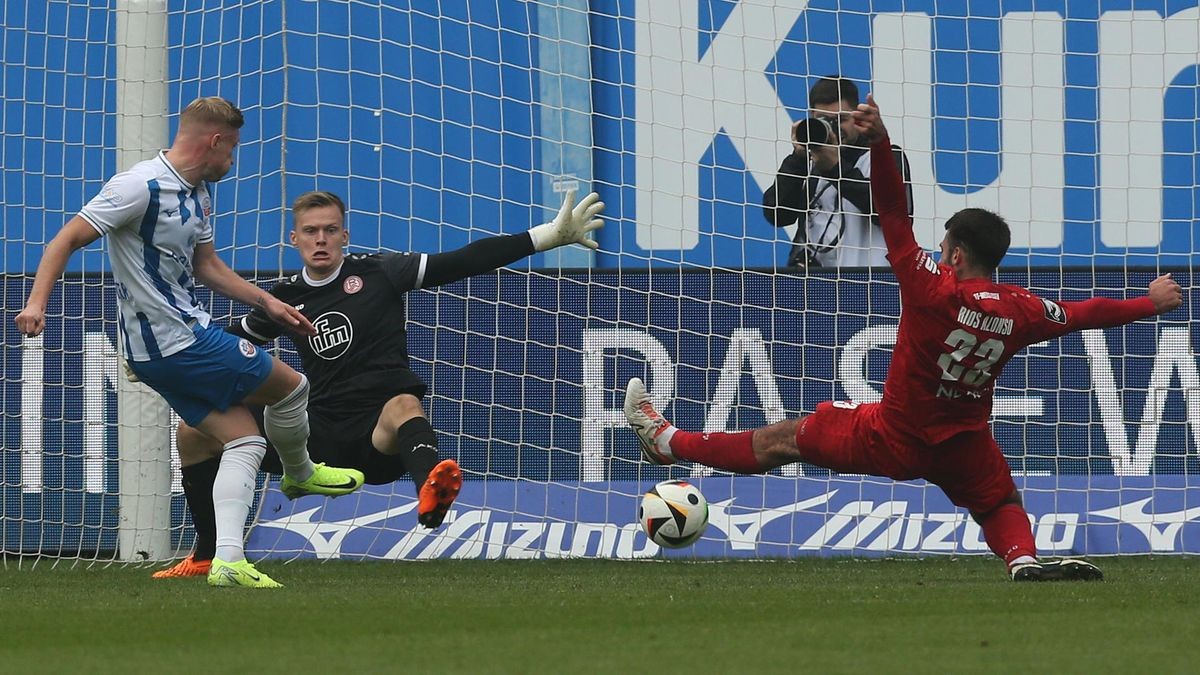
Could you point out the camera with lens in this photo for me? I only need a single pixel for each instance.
(815, 130)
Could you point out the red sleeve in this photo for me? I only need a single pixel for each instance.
(891, 200)
(919, 276)
(1060, 318)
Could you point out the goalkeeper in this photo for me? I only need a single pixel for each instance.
(365, 408)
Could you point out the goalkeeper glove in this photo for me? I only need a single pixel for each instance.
(571, 225)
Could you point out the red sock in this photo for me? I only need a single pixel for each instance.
(720, 450)
(1007, 532)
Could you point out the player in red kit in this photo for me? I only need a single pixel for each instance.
(957, 330)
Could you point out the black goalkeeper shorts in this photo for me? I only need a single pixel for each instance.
(343, 439)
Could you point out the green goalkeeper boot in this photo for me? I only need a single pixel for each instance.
(328, 481)
(240, 574)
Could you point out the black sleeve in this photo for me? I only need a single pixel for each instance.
(256, 326)
(409, 271)
(787, 200)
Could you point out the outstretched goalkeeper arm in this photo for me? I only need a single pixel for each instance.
(573, 225)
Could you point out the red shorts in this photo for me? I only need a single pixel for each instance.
(853, 438)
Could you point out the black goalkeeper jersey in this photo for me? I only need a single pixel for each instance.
(359, 355)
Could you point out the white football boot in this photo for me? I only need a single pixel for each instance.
(1067, 569)
(653, 431)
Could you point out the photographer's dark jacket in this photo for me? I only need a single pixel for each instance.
(833, 210)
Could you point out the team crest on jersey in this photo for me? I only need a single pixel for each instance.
(111, 195)
(1054, 311)
(206, 206)
(334, 335)
(248, 350)
(352, 284)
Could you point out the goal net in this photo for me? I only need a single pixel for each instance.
(443, 122)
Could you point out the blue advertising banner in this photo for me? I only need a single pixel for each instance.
(748, 517)
(527, 374)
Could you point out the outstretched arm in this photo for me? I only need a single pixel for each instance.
(76, 234)
(215, 274)
(1164, 295)
(887, 185)
(572, 225)
(483, 255)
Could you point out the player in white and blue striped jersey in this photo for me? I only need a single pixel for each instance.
(157, 218)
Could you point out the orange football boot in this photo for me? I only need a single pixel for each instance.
(438, 493)
(188, 567)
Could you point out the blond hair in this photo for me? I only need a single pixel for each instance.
(212, 110)
(317, 199)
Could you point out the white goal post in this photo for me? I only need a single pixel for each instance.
(144, 418)
(443, 122)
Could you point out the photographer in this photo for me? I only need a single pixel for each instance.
(824, 185)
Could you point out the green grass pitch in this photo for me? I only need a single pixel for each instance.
(812, 615)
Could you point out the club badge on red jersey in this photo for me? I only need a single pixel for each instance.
(1054, 311)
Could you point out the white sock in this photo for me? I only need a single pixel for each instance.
(286, 424)
(233, 492)
(1021, 560)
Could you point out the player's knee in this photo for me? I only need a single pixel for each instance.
(398, 410)
(1013, 497)
(295, 402)
(775, 445)
(410, 434)
(194, 447)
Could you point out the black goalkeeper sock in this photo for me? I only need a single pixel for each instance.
(418, 449)
(198, 480)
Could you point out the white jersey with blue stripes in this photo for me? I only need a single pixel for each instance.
(154, 219)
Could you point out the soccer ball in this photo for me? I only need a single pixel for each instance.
(673, 514)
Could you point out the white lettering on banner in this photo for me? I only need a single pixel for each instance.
(1173, 355)
(472, 534)
(858, 526)
(942, 537)
(746, 344)
(973, 541)
(1064, 525)
(743, 529)
(32, 391)
(660, 384)
(101, 366)
(101, 370)
(684, 99)
(1029, 187)
(325, 537)
(1140, 54)
(887, 518)
(1144, 520)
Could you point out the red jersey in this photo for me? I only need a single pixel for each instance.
(956, 334)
